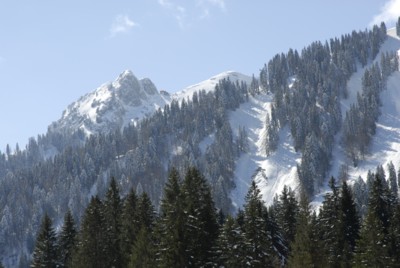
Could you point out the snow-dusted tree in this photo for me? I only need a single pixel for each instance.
(171, 249)
(286, 210)
(45, 252)
(272, 128)
(393, 180)
(231, 245)
(112, 216)
(67, 240)
(302, 248)
(200, 219)
(258, 241)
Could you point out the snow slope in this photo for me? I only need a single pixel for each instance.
(209, 84)
(272, 172)
(385, 145)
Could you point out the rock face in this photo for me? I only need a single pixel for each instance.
(112, 105)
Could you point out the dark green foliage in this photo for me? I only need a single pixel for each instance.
(272, 134)
(231, 245)
(67, 240)
(330, 226)
(201, 227)
(350, 221)
(92, 238)
(171, 250)
(130, 226)
(45, 252)
(394, 233)
(143, 250)
(393, 181)
(301, 254)
(372, 249)
(112, 222)
(284, 211)
(258, 240)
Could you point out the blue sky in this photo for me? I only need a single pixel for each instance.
(53, 52)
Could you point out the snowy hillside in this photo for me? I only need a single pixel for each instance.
(272, 172)
(209, 84)
(385, 146)
(126, 100)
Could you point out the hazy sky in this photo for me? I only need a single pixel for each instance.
(53, 52)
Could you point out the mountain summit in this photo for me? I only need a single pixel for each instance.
(126, 100)
(112, 105)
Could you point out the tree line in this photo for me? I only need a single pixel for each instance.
(189, 231)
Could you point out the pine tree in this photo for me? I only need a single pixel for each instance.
(201, 227)
(143, 250)
(231, 245)
(129, 226)
(112, 220)
(372, 248)
(301, 254)
(350, 224)
(146, 212)
(92, 239)
(393, 180)
(171, 250)
(67, 240)
(286, 214)
(394, 233)
(330, 225)
(45, 252)
(258, 243)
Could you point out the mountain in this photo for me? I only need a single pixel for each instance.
(209, 84)
(274, 171)
(112, 105)
(125, 101)
(285, 127)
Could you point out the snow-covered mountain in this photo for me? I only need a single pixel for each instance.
(209, 84)
(272, 172)
(112, 105)
(127, 100)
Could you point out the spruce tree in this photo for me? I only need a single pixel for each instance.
(258, 242)
(393, 181)
(330, 225)
(349, 215)
(201, 227)
(286, 214)
(231, 245)
(92, 238)
(301, 254)
(372, 248)
(67, 240)
(350, 224)
(143, 250)
(146, 212)
(171, 250)
(45, 252)
(129, 226)
(112, 222)
(394, 233)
